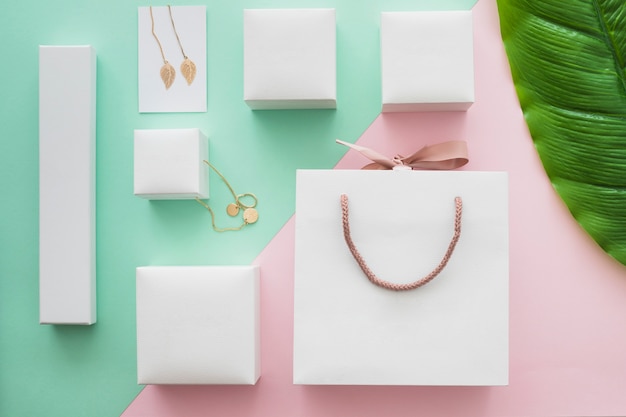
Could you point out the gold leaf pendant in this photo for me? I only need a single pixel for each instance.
(188, 69)
(168, 73)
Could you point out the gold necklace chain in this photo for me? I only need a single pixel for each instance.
(250, 214)
(168, 74)
(169, 8)
(156, 38)
(187, 68)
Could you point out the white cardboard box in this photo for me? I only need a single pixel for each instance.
(67, 165)
(169, 164)
(198, 325)
(427, 61)
(453, 330)
(290, 58)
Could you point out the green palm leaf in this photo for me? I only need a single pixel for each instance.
(568, 60)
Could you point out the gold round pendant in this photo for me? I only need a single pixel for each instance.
(232, 209)
(250, 215)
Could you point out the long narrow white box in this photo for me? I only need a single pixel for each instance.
(67, 144)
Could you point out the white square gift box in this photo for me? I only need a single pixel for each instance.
(168, 164)
(290, 58)
(198, 325)
(451, 331)
(427, 61)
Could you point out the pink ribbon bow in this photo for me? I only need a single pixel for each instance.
(446, 155)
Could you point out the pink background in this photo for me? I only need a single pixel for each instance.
(567, 298)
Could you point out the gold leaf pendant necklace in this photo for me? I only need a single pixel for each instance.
(168, 73)
(187, 68)
(167, 70)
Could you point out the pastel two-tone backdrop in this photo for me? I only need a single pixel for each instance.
(567, 309)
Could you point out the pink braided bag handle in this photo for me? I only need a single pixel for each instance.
(389, 285)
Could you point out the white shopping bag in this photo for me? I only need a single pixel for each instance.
(451, 331)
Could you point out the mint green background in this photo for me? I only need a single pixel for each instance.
(90, 371)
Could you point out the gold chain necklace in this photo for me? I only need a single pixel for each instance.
(167, 70)
(250, 214)
(168, 73)
(187, 68)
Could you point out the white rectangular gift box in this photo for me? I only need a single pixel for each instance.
(451, 331)
(427, 61)
(168, 164)
(290, 58)
(67, 186)
(198, 325)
